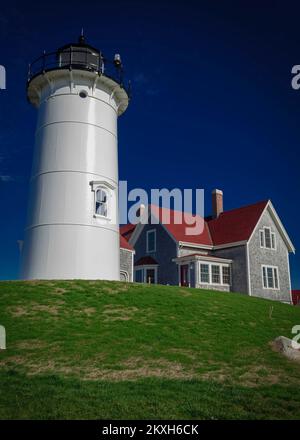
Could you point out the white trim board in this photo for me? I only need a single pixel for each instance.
(278, 224)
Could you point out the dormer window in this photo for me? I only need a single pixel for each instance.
(101, 202)
(267, 238)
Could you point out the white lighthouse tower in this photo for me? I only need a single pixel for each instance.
(72, 229)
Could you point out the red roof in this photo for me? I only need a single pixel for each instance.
(145, 261)
(230, 227)
(235, 225)
(171, 219)
(124, 244)
(296, 297)
(180, 224)
(127, 230)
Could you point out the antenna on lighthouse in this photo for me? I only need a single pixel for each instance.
(81, 39)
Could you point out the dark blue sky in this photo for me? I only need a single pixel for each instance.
(212, 101)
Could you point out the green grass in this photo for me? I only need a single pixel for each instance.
(79, 349)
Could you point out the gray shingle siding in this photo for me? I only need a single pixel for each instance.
(239, 277)
(274, 257)
(166, 250)
(126, 262)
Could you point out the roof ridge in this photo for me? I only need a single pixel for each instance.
(265, 201)
(175, 210)
(244, 207)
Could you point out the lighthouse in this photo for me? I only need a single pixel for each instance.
(72, 227)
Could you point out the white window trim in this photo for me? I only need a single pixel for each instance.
(209, 273)
(230, 275)
(144, 268)
(221, 283)
(275, 241)
(272, 234)
(147, 241)
(220, 275)
(266, 266)
(261, 231)
(95, 185)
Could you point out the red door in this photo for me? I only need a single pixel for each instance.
(184, 275)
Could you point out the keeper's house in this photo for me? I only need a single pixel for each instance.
(243, 250)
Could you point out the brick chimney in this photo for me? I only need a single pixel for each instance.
(217, 202)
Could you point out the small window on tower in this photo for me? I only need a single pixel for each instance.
(101, 205)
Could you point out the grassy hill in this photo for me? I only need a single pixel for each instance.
(81, 349)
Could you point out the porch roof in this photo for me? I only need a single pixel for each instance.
(201, 257)
(146, 261)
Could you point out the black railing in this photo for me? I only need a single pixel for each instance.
(81, 59)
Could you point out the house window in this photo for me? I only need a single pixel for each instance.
(101, 202)
(270, 277)
(273, 245)
(265, 283)
(204, 273)
(215, 274)
(267, 238)
(262, 238)
(226, 274)
(139, 275)
(151, 240)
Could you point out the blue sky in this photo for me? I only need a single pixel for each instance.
(212, 101)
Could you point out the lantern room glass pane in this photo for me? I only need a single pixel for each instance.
(79, 56)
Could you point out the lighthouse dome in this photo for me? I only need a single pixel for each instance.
(80, 55)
